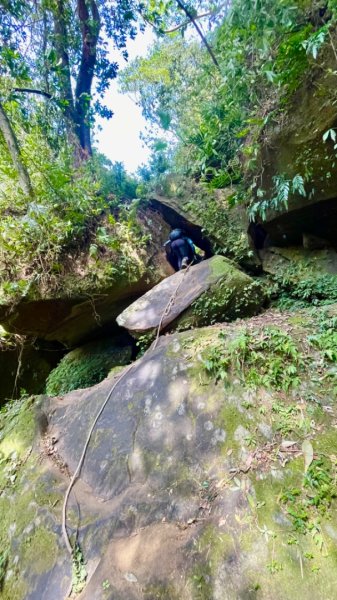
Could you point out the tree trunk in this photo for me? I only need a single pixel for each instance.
(77, 109)
(14, 150)
(90, 27)
(61, 47)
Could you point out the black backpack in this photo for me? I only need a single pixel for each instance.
(176, 234)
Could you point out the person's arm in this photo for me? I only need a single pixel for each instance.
(191, 244)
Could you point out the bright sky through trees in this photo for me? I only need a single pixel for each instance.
(119, 138)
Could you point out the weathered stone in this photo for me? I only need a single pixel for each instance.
(90, 292)
(214, 290)
(277, 261)
(294, 145)
(167, 505)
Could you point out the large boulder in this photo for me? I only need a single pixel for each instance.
(93, 283)
(214, 290)
(210, 473)
(278, 260)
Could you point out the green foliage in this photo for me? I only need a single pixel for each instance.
(85, 367)
(306, 504)
(144, 342)
(38, 235)
(283, 188)
(79, 572)
(216, 116)
(269, 358)
(293, 289)
(326, 339)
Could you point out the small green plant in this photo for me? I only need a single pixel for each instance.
(79, 572)
(283, 188)
(288, 418)
(274, 567)
(326, 339)
(144, 342)
(106, 584)
(268, 358)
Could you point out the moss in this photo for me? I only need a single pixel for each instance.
(160, 591)
(229, 419)
(231, 294)
(286, 547)
(86, 366)
(14, 588)
(213, 548)
(22, 500)
(39, 551)
(327, 442)
(17, 416)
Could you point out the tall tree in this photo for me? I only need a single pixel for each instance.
(14, 150)
(63, 49)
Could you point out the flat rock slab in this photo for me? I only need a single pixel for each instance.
(145, 314)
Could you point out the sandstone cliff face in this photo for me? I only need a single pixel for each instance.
(293, 145)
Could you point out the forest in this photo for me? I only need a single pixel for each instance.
(165, 433)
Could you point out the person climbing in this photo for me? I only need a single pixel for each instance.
(180, 250)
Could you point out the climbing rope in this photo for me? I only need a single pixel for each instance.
(119, 379)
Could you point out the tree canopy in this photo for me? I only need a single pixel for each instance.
(216, 75)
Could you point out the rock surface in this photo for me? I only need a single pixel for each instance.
(214, 224)
(183, 492)
(294, 146)
(278, 260)
(213, 290)
(92, 290)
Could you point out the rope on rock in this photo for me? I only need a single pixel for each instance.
(119, 379)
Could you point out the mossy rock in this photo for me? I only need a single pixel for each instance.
(214, 290)
(87, 365)
(301, 277)
(294, 145)
(31, 554)
(196, 483)
(234, 295)
(116, 264)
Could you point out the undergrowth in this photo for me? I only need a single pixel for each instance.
(268, 358)
(306, 505)
(85, 367)
(291, 290)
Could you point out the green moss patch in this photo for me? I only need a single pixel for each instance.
(86, 366)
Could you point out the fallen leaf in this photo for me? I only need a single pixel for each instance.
(308, 453)
(287, 444)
